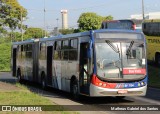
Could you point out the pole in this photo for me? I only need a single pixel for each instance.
(57, 22)
(44, 19)
(143, 10)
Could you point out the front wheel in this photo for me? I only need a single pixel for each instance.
(74, 90)
(43, 82)
(157, 59)
(19, 79)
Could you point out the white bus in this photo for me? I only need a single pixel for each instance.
(94, 63)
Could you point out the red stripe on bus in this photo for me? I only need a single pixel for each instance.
(97, 82)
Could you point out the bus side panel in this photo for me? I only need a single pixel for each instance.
(29, 62)
(58, 74)
(72, 71)
(63, 72)
(42, 60)
(35, 61)
(49, 65)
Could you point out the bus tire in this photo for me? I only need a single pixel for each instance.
(157, 59)
(43, 81)
(19, 79)
(74, 90)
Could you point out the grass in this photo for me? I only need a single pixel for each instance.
(22, 98)
(153, 20)
(26, 97)
(154, 76)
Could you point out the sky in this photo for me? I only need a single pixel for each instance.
(119, 9)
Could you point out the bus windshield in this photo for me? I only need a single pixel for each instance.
(115, 58)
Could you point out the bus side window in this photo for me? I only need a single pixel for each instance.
(64, 51)
(65, 44)
(40, 46)
(57, 52)
(73, 55)
(55, 45)
(42, 50)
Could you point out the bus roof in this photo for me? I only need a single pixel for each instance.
(75, 35)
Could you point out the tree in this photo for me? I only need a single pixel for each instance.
(91, 21)
(34, 33)
(109, 17)
(66, 31)
(11, 14)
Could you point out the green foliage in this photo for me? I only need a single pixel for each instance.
(78, 30)
(5, 55)
(34, 33)
(152, 20)
(66, 31)
(91, 21)
(109, 17)
(10, 15)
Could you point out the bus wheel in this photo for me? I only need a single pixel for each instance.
(43, 82)
(120, 97)
(74, 90)
(19, 76)
(157, 59)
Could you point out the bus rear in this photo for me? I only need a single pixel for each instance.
(120, 67)
(119, 24)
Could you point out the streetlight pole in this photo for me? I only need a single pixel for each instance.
(57, 22)
(143, 16)
(44, 19)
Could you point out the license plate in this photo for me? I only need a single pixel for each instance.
(122, 91)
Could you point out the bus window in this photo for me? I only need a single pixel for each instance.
(58, 46)
(65, 44)
(73, 49)
(64, 55)
(74, 43)
(42, 50)
(57, 52)
(73, 55)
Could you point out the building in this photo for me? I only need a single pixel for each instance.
(150, 15)
(64, 19)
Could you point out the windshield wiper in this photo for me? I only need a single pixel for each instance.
(116, 49)
(129, 49)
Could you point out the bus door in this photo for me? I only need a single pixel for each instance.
(49, 64)
(84, 77)
(14, 61)
(35, 53)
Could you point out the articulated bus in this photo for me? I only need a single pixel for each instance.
(118, 24)
(152, 30)
(94, 63)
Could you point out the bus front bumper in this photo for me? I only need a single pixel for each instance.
(96, 91)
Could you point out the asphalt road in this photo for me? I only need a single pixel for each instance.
(87, 103)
